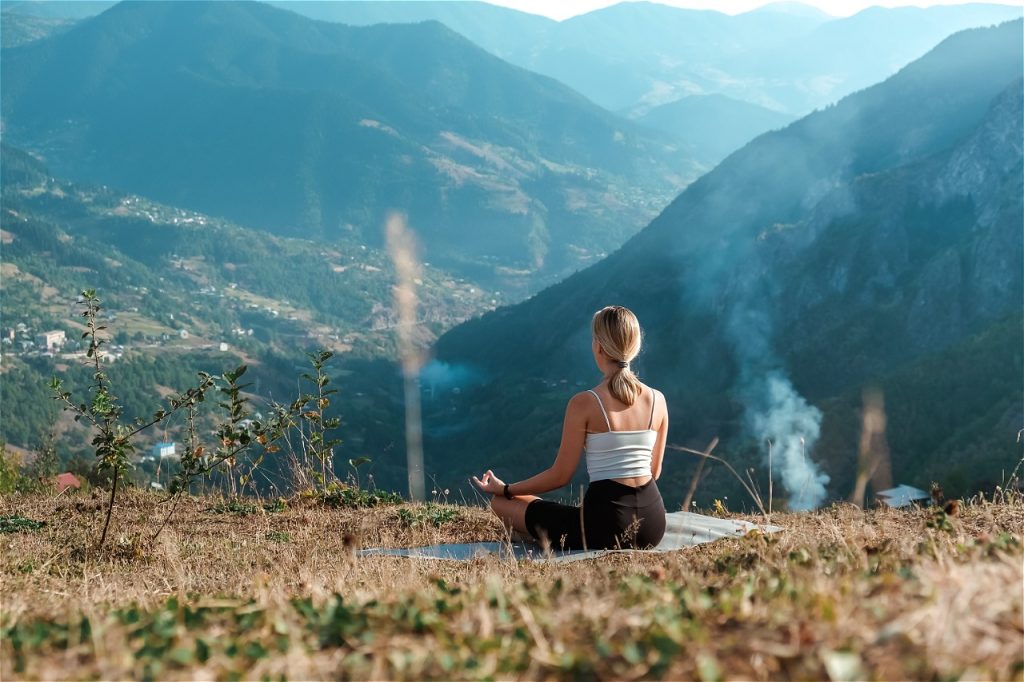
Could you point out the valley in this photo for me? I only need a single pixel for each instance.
(278, 278)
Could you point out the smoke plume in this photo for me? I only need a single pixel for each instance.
(775, 412)
(783, 417)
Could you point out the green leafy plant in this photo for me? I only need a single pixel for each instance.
(318, 443)
(114, 439)
(341, 495)
(236, 434)
(276, 505)
(940, 520)
(19, 524)
(429, 514)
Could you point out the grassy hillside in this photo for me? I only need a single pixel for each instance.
(162, 271)
(839, 594)
(67, 236)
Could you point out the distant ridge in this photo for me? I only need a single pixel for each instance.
(635, 55)
(713, 125)
(798, 9)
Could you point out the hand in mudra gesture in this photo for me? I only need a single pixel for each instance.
(489, 483)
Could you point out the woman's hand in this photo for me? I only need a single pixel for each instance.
(489, 483)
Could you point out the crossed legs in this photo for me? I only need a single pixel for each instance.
(512, 512)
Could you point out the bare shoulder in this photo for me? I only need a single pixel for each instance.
(659, 397)
(579, 407)
(581, 399)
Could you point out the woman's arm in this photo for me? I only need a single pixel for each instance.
(658, 454)
(574, 433)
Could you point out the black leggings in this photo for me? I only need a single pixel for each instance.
(615, 516)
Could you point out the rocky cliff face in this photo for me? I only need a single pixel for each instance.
(933, 246)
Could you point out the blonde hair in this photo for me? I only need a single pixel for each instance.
(617, 331)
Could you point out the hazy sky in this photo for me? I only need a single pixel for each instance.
(562, 9)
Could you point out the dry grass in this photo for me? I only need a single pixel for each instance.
(841, 593)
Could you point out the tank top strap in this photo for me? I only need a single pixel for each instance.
(601, 405)
(654, 401)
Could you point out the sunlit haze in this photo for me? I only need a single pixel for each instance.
(563, 9)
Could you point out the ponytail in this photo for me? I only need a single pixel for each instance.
(617, 331)
(624, 385)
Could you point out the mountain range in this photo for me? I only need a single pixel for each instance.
(633, 56)
(712, 80)
(850, 247)
(311, 129)
(785, 57)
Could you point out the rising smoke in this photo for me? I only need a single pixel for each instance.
(776, 414)
(785, 419)
(438, 375)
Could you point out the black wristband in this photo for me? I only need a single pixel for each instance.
(506, 493)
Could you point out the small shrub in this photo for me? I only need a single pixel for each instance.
(279, 536)
(36, 477)
(350, 497)
(114, 439)
(940, 520)
(429, 514)
(19, 524)
(276, 505)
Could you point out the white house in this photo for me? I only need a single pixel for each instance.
(50, 340)
(162, 450)
(902, 496)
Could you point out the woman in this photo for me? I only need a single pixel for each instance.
(621, 426)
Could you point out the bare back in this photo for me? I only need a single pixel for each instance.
(647, 413)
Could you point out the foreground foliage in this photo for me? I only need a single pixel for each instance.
(17, 524)
(840, 594)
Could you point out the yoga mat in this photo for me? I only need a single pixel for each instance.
(683, 529)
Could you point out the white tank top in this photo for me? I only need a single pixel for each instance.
(620, 454)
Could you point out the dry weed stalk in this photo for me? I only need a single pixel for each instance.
(401, 248)
(707, 455)
(696, 475)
